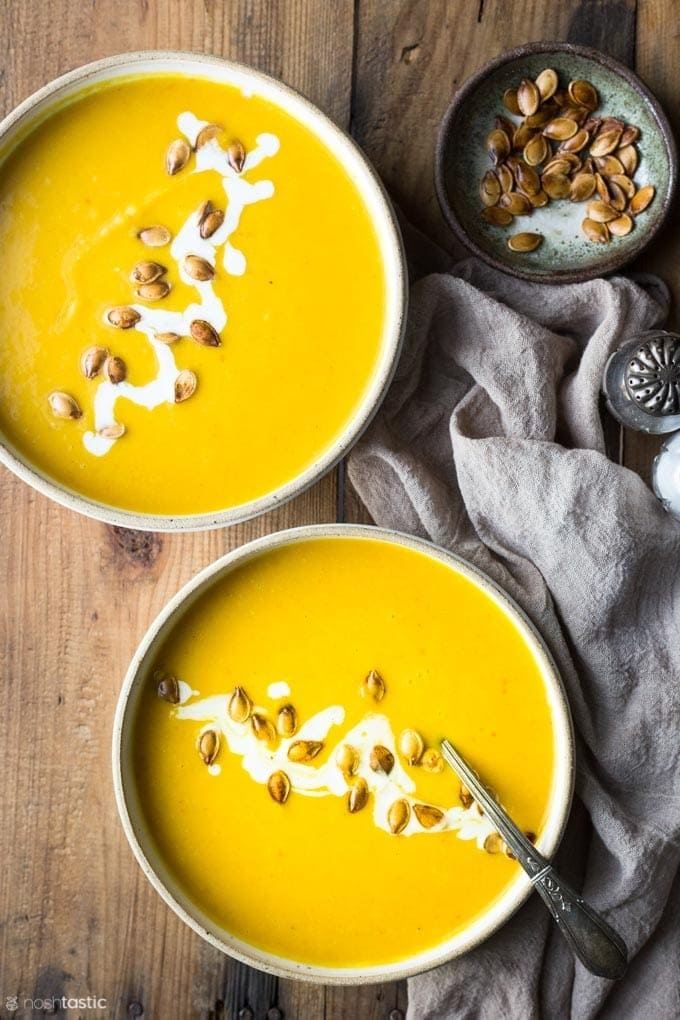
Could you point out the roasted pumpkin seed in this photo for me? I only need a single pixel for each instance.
(411, 746)
(547, 83)
(560, 129)
(177, 156)
(208, 745)
(576, 143)
(123, 317)
(621, 226)
(373, 686)
(535, 151)
(524, 242)
(505, 178)
(496, 216)
(641, 199)
(63, 405)
(556, 185)
(625, 183)
(381, 759)
(185, 385)
(432, 761)
(115, 370)
(595, 231)
(517, 203)
(198, 268)
(155, 291)
(347, 759)
(263, 728)
(240, 706)
(510, 102)
(398, 815)
(211, 222)
(528, 97)
(498, 145)
(427, 815)
(206, 134)
(155, 237)
(493, 844)
(582, 187)
(357, 797)
(583, 93)
(236, 155)
(628, 156)
(147, 272)
(168, 689)
(304, 751)
(465, 796)
(287, 721)
(92, 361)
(630, 134)
(489, 188)
(167, 338)
(601, 211)
(114, 431)
(278, 786)
(204, 334)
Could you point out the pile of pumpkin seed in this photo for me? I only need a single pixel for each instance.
(560, 150)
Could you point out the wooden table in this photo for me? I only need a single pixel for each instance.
(77, 918)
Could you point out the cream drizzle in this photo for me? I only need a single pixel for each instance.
(260, 761)
(240, 193)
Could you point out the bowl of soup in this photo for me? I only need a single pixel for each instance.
(277, 764)
(203, 291)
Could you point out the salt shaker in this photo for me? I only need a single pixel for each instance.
(642, 386)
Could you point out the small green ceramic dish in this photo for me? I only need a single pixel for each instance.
(565, 254)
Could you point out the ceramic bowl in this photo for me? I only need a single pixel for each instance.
(54, 95)
(565, 255)
(154, 868)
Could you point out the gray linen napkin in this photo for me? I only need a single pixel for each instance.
(490, 444)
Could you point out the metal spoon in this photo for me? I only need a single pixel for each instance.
(597, 946)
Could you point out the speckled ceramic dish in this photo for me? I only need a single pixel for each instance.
(565, 255)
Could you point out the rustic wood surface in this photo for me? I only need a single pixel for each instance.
(76, 916)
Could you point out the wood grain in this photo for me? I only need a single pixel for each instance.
(76, 917)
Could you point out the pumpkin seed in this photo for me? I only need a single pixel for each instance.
(505, 178)
(490, 188)
(602, 187)
(559, 165)
(556, 185)
(527, 179)
(373, 686)
(493, 844)
(155, 237)
(524, 242)
(503, 124)
(240, 706)
(381, 759)
(167, 338)
(411, 746)
(560, 129)
(204, 334)
(304, 751)
(115, 370)
(278, 786)
(177, 156)
(432, 761)
(185, 385)
(617, 196)
(357, 798)
(399, 814)
(147, 272)
(496, 216)
(625, 183)
(517, 203)
(92, 361)
(208, 745)
(206, 134)
(582, 187)
(510, 102)
(606, 141)
(347, 759)
(641, 199)
(211, 222)
(155, 291)
(601, 212)
(608, 165)
(262, 728)
(498, 145)
(63, 405)
(522, 136)
(114, 431)
(465, 796)
(578, 114)
(528, 97)
(198, 268)
(539, 200)
(583, 93)
(595, 231)
(168, 689)
(236, 156)
(629, 135)
(536, 151)
(628, 156)
(576, 143)
(547, 83)
(287, 721)
(427, 815)
(621, 226)
(541, 117)
(123, 317)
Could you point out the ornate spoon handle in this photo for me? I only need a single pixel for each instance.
(599, 948)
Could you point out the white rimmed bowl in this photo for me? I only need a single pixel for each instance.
(42, 103)
(155, 869)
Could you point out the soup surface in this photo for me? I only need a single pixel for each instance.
(295, 811)
(283, 274)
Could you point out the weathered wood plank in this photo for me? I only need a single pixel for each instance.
(77, 915)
